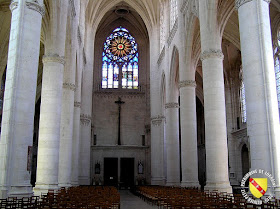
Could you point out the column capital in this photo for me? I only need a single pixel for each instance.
(186, 83)
(172, 105)
(85, 119)
(211, 53)
(34, 5)
(13, 5)
(239, 3)
(77, 104)
(53, 58)
(156, 121)
(69, 86)
(31, 4)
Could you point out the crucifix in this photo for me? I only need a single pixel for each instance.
(119, 102)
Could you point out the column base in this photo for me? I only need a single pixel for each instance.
(158, 181)
(170, 183)
(3, 192)
(44, 188)
(84, 180)
(218, 186)
(190, 184)
(15, 191)
(64, 185)
(277, 192)
(75, 183)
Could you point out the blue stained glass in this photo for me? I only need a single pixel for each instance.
(120, 50)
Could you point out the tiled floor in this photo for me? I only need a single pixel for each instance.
(130, 201)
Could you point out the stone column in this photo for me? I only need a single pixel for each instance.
(157, 119)
(188, 133)
(172, 144)
(67, 112)
(214, 99)
(260, 86)
(51, 100)
(157, 147)
(19, 101)
(86, 112)
(187, 87)
(76, 122)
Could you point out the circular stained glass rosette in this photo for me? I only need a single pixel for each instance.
(120, 46)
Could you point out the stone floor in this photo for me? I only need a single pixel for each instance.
(130, 201)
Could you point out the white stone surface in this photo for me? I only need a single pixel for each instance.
(67, 113)
(172, 145)
(76, 123)
(188, 136)
(19, 101)
(157, 120)
(51, 102)
(214, 100)
(86, 114)
(259, 81)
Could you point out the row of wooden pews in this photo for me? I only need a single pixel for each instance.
(73, 197)
(187, 198)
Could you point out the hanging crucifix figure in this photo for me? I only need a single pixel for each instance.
(119, 102)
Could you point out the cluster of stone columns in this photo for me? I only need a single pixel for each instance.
(59, 131)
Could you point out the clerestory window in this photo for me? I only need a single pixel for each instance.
(277, 68)
(242, 99)
(120, 61)
(243, 103)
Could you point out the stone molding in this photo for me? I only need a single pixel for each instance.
(79, 36)
(239, 3)
(73, 10)
(172, 105)
(77, 104)
(172, 32)
(156, 121)
(109, 94)
(84, 56)
(69, 86)
(53, 58)
(34, 5)
(85, 119)
(13, 5)
(184, 6)
(186, 83)
(161, 56)
(212, 53)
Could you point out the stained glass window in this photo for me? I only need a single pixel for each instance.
(120, 53)
(277, 68)
(243, 103)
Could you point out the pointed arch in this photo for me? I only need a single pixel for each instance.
(148, 11)
(174, 69)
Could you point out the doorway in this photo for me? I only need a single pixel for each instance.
(127, 173)
(111, 172)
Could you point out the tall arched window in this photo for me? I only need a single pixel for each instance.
(277, 67)
(120, 61)
(243, 103)
(173, 13)
(242, 99)
(277, 74)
